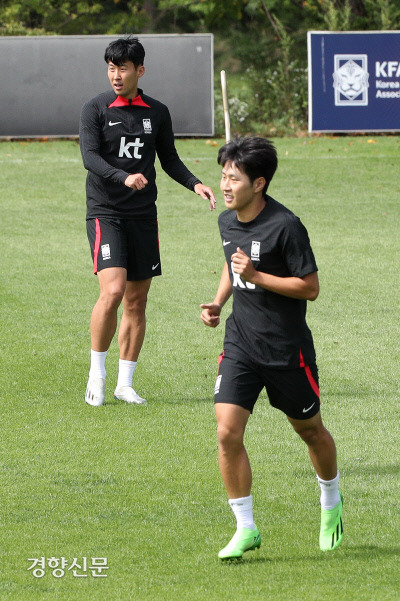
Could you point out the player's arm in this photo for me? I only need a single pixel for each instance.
(136, 181)
(211, 311)
(305, 288)
(89, 139)
(174, 166)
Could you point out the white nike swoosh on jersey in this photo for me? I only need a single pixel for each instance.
(225, 243)
(110, 123)
(155, 266)
(308, 409)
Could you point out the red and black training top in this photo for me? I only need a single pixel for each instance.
(120, 136)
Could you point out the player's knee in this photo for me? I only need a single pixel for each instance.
(312, 436)
(113, 294)
(136, 304)
(229, 436)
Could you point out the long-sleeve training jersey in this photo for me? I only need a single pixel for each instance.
(118, 137)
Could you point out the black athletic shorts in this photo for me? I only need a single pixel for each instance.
(129, 243)
(293, 391)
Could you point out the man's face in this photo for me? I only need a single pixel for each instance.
(237, 188)
(124, 78)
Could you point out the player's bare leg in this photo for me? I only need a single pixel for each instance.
(130, 338)
(233, 461)
(103, 324)
(237, 477)
(322, 451)
(321, 446)
(133, 322)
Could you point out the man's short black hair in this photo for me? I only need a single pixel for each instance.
(125, 49)
(254, 156)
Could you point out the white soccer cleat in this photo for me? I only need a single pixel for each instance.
(127, 394)
(95, 392)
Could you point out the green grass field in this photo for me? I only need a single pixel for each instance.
(140, 485)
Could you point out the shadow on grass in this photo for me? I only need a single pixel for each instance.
(355, 552)
(246, 561)
(356, 469)
(368, 551)
(176, 400)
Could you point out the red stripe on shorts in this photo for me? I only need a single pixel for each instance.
(220, 359)
(96, 246)
(309, 375)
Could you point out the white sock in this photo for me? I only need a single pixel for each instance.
(97, 364)
(125, 373)
(243, 510)
(329, 492)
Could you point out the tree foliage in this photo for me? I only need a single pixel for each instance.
(32, 17)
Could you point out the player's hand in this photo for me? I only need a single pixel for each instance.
(210, 314)
(242, 265)
(206, 193)
(136, 181)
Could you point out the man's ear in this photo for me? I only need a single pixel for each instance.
(140, 70)
(259, 184)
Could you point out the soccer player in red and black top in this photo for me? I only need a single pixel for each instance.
(271, 272)
(121, 131)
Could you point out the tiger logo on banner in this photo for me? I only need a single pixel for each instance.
(350, 79)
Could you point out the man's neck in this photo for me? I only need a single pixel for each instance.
(133, 95)
(252, 210)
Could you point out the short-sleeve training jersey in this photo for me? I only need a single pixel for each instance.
(118, 137)
(268, 328)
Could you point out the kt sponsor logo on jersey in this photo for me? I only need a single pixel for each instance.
(124, 148)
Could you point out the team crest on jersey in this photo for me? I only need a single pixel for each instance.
(255, 250)
(147, 126)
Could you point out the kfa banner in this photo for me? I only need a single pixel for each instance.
(353, 81)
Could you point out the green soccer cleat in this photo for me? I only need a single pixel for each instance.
(331, 533)
(243, 540)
